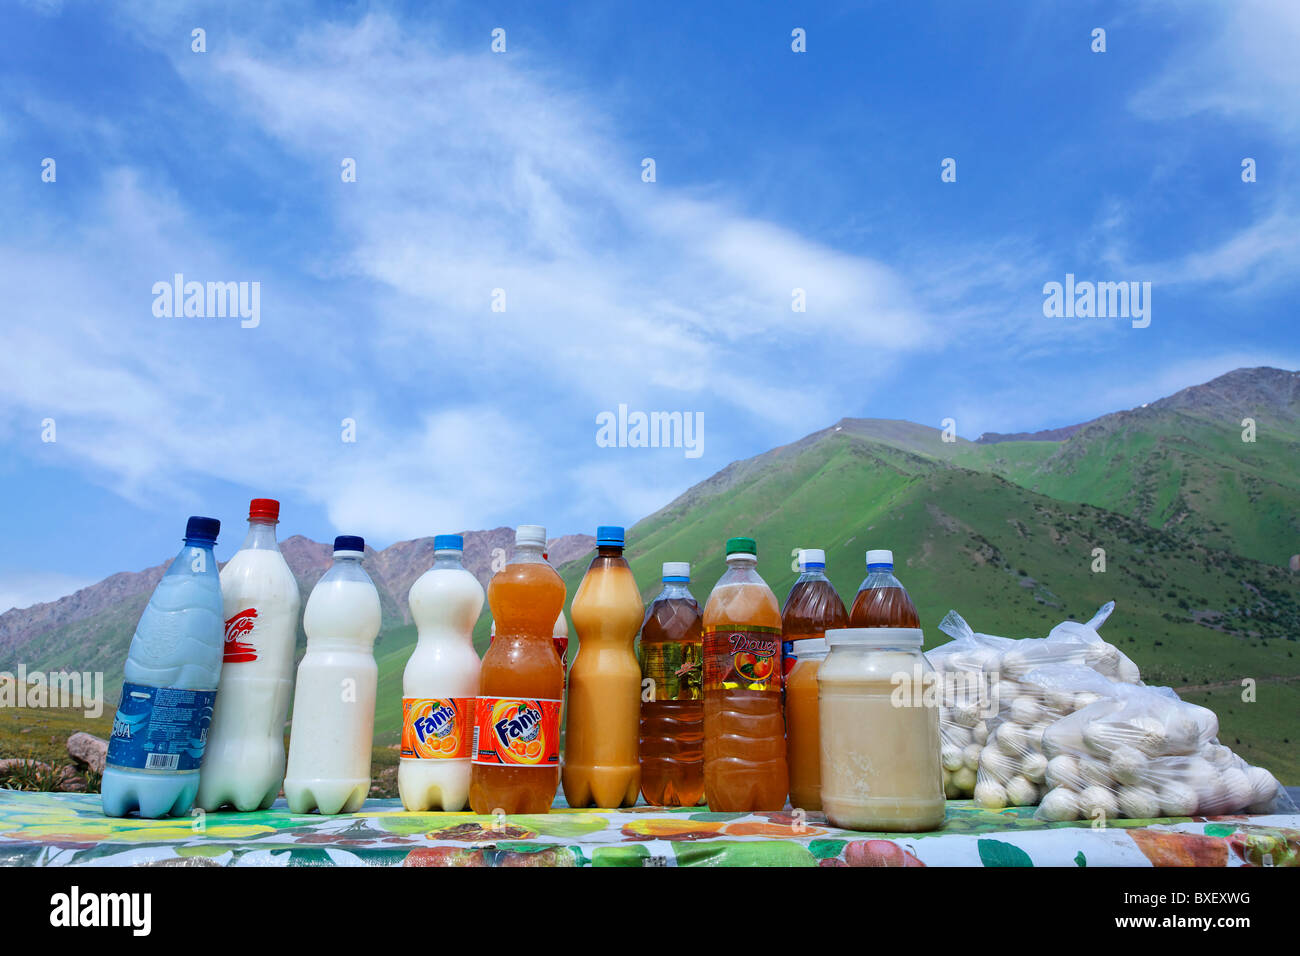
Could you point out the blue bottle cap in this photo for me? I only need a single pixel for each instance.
(199, 528)
(609, 534)
(350, 542)
(448, 542)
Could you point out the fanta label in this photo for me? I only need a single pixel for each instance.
(518, 733)
(437, 728)
(742, 658)
(239, 637)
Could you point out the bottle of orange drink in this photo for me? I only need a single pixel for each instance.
(516, 748)
(744, 733)
(600, 744)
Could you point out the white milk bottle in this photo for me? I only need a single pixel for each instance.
(332, 735)
(440, 683)
(243, 765)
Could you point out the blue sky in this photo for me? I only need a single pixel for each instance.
(522, 171)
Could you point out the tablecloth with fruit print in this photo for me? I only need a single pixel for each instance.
(66, 829)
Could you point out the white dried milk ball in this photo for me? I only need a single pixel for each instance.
(1263, 787)
(1097, 803)
(1237, 790)
(1020, 792)
(950, 757)
(956, 735)
(1148, 735)
(965, 715)
(1012, 739)
(1138, 803)
(1182, 733)
(1015, 663)
(1000, 766)
(1034, 767)
(965, 779)
(1128, 671)
(1102, 657)
(1059, 805)
(1063, 771)
(1176, 799)
(1038, 734)
(970, 756)
(980, 733)
(950, 789)
(990, 795)
(1128, 765)
(1026, 711)
(1058, 700)
(1219, 756)
(1095, 773)
(1100, 737)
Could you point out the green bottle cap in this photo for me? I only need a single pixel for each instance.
(741, 546)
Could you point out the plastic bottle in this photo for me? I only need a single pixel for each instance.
(601, 768)
(671, 654)
(882, 600)
(880, 748)
(174, 664)
(440, 683)
(802, 724)
(516, 746)
(244, 762)
(331, 740)
(744, 732)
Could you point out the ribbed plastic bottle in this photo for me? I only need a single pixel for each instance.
(601, 768)
(331, 740)
(171, 674)
(744, 730)
(882, 601)
(440, 683)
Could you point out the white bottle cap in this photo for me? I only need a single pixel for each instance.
(809, 556)
(530, 534)
(677, 569)
(875, 636)
(880, 556)
(809, 647)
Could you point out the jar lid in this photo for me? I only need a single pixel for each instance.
(875, 637)
(809, 646)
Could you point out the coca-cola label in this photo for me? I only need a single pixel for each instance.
(240, 647)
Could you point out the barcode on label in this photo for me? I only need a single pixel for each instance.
(162, 761)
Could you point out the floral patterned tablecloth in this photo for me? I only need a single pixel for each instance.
(65, 829)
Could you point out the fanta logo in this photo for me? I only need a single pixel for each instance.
(522, 726)
(240, 624)
(758, 646)
(435, 724)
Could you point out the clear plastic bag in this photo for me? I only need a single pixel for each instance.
(967, 667)
(1145, 753)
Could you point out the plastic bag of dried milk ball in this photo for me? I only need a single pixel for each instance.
(1103, 657)
(1143, 754)
(966, 667)
(1013, 766)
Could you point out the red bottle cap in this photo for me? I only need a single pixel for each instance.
(264, 509)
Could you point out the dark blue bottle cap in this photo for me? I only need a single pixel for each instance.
(448, 542)
(349, 542)
(609, 534)
(199, 528)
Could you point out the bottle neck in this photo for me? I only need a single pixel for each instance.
(678, 588)
(609, 551)
(813, 572)
(448, 560)
(261, 536)
(528, 554)
(203, 543)
(742, 561)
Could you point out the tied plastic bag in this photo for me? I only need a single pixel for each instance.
(998, 666)
(1145, 753)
